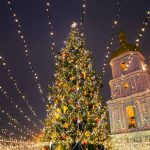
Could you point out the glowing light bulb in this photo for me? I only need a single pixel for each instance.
(47, 3)
(143, 29)
(115, 22)
(84, 6)
(16, 20)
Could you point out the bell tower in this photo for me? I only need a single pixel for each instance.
(129, 107)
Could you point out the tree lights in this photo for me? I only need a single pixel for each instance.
(75, 113)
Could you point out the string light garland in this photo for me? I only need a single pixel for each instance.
(13, 144)
(17, 128)
(16, 85)
(114, 25)
(15, 121)
(51, 29)
(26, 48)
(5, 93)
(10, 140)
(84, 3)
(137, 41)
(7, 133)
(143, 28)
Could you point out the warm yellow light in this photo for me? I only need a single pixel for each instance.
(126, 85)
(123, 66)
(131, 116)
(143, 66)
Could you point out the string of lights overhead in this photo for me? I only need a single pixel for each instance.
(7, 132)
(11, 140)
(16, 85)
(50, 25)
(143, 28)
(5, 93)
(16, 122)
(138, 39)
(26, 48)
(13, 144)
(84, 3)
(110, 43)
(20, 130)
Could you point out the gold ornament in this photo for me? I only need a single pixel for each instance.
(70, 101)
(56, 102)
(95, 129)
(66, 125)
(53, 136)
(57, 116)
(65, 108)
(72, 78)
(87, 134)
(58, 147)
(58, 110)
(63, 55)
(92, 142)
(63, 97)
(84, 74)
(65, 85)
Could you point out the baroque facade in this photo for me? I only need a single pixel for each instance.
(129, 107)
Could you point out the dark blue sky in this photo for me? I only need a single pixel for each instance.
(98, 22)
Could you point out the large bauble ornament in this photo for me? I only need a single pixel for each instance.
(75, 120)
(84, 142)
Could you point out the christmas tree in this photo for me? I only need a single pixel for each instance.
(75, 114)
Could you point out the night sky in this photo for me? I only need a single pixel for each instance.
(34, 21)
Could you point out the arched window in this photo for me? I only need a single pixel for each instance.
(126, 85)
(131, 117)
(123, 66)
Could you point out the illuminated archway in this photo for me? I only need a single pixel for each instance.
(123, 66)
(131, 117)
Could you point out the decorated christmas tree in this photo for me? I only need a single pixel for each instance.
(76, 117)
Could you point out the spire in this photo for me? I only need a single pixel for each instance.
(122, 38)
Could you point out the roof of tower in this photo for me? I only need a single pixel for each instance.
(124, 46)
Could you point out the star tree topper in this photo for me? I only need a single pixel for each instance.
(74, 24)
